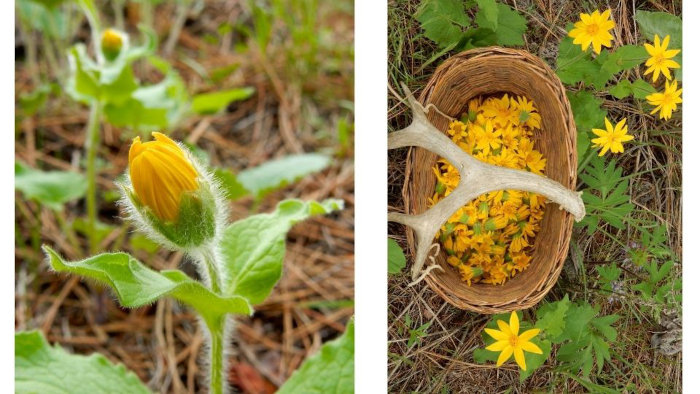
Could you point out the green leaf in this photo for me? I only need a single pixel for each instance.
(443, 21)
(625, 58)
(585, 335)
(136, 285)
(41, 368)
(640, 89)
(50, 188)
(331, 370)
(511, 26)
(588, 114)
(211, 103)
(550, 317)
(35, 100)
(663, 24)
(276, 174)
(605, 198)
(253, 249)
(574, 65)
(487, 16)
(83, 81)
(397, 260)
(230, 184)
(476, 38)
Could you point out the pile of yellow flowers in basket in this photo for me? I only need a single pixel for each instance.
(490, 239)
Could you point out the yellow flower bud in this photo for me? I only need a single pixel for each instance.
(160, 173)
(111, 43)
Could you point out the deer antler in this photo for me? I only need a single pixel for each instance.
(475, 179)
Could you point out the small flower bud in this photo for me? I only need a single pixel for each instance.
(112, 43)
(172, 199)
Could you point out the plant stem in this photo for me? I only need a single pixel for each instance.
(208, 259)
(217, 364)
(92, 142)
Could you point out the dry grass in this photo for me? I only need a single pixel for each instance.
(163, 343)
(441, 361)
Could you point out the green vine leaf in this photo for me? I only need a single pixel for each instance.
(136, 285)
(50, 188)
(41, 368)
(253, 248)
(330, 371)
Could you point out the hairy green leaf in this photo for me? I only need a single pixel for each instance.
(330, 371)
(211, 103)
(276, 174)
(136, 285)
(41, 368)
(588, 115)
(487, 16)
(50, 188)
(253, 248)
(397, 260)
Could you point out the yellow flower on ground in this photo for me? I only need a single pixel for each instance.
(666, 102)
(509, 343)
(160, 173)
(660, 58)
(593, 29)
(612, 137)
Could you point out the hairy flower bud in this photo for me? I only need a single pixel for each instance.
(170, 196)
(112, 43)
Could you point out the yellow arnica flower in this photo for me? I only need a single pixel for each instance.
(666, 102)
(612, 137)
(111, 43)
(593, 29)
(660, 58)
(508, 342)
(160, 173)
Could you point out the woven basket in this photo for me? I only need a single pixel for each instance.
(486, 72)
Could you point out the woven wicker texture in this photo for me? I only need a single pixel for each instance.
(487, 72)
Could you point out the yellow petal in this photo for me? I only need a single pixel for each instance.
(505, 355)
(497, 335)
(531, 347)
(504, 327)
(529, 334)
(520, 358)
(514, 323)
(497, 346)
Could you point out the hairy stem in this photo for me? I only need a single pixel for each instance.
(217, 352)
(208, 259)
(92, 142)
(476, 178)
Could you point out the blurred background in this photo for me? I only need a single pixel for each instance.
(244, 83)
